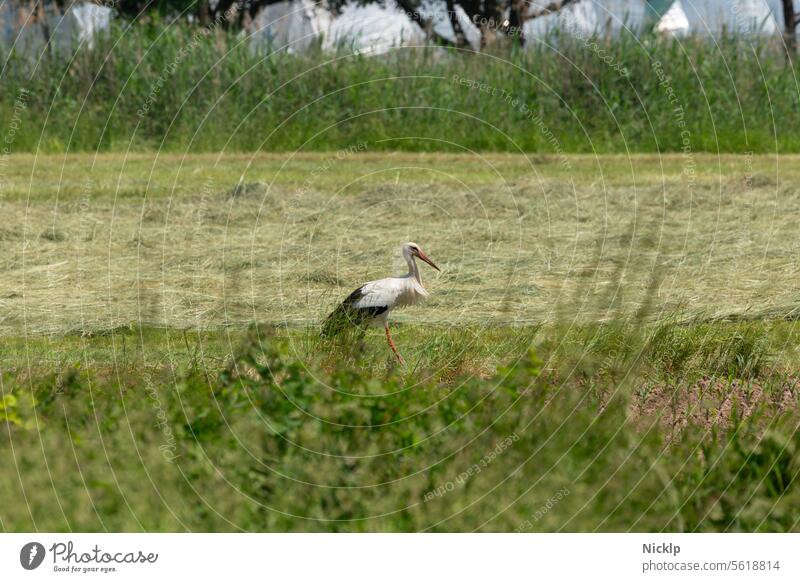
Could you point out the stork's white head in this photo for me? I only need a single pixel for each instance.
(411, 250)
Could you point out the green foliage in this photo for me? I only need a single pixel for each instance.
(742, 484)
(165, 87)
(739, 351)
(287, 436)
(16, 413)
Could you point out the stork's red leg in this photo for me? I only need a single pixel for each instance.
(391, 344)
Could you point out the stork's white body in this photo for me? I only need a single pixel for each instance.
(392, 293)
(372, 302)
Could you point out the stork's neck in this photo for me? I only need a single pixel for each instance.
(413, 270)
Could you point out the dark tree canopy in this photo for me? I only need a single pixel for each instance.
(202, 11)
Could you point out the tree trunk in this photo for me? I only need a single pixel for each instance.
(492, 22)
(204, 15)
(458, 32)
(424, 23)
(517, 11)
(789, 28)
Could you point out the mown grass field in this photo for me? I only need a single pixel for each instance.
(611, 344)
(94, 243)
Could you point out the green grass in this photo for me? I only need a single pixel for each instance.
(279, 432)
(607, 348)
(220, 95)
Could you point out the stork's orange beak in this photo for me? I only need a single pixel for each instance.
(427, 259)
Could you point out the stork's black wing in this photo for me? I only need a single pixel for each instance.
(347, 314)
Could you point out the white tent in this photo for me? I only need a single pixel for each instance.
(294, 24)
(674, 21)
(583, 18)
(372, 28)
(714, 17)
(589, 17)
(708, 17)
(291, 25)
(376, 27)
(80, 24)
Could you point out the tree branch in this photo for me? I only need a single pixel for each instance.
(549, 9)
(424, 23)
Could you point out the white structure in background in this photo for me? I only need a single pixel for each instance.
(291, 25)
(294, 25)
(609, 17)
(588, 17)
(713, 17)
(583, 18)
(81, 23)
(674, 21)
(437, 12)
(371, 28)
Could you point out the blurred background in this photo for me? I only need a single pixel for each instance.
(271, 76)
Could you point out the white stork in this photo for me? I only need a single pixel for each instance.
(371, 303)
